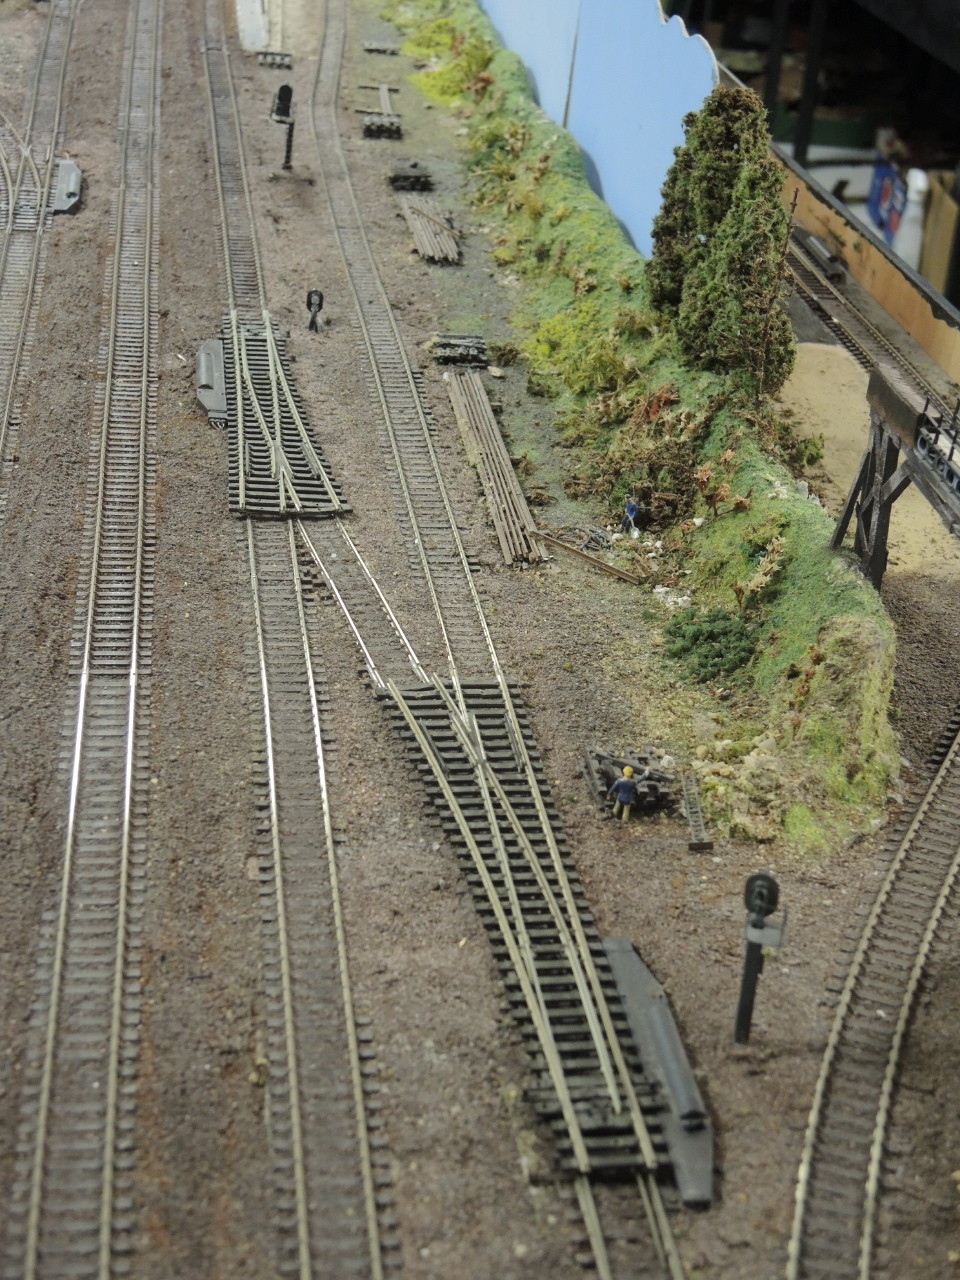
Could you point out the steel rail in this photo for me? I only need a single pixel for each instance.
(902, 888)
(890, 1077)
(273, 416)
(535, 1006)
(286, 979)
(664, 1242)
(591, 1220)
(388, 612)
(325, 1223)
(236, 166)
(386, 316)
(7, 196)
(313, 1042)
(101, 656)
(568, 922)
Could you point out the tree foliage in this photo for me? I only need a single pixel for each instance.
(718, 240)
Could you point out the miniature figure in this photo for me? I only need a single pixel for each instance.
(625, 792)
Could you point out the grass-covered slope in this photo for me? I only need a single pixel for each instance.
(798, 641)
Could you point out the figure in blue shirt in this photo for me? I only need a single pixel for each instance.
(624, 793)
(630, 513)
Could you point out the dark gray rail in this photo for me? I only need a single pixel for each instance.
(70, 1211)
(839, 1178)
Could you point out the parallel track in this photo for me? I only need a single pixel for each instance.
(839, 1181)
(321, 1093)
(27, 161)
(70, 1212)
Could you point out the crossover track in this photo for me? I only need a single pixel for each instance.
(71, 1213)
(482, 773)
(276, 465)
(27, 162)
(331, 1177)
(839, 1181)
(475, 752)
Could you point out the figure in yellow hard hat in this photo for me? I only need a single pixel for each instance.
(624, 793)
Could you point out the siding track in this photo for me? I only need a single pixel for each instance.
(276, 465)
(330, 1176)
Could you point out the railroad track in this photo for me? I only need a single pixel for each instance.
(839, 1180)
(72, 1187)
(868, 346)
(469, 739)
(27, 161)
(331, 1177)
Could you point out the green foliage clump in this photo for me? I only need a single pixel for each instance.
(730, 315)
(710, 644)
(443, 32)
(467, 64)
(728, 131)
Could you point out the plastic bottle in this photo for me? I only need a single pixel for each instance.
(908, 241)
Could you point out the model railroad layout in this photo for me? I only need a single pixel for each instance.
(461, 723)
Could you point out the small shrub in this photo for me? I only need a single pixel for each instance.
(711, 644)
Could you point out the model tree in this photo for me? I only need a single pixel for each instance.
(718, 243)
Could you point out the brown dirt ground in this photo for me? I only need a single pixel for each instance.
(459, 1133)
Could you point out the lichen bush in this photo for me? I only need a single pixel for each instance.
(660, 376)
(710, 644)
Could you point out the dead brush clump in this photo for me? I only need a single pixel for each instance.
(658, 472)
(649, 409)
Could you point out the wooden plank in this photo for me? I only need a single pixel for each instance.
(602, 565)
(514, 525)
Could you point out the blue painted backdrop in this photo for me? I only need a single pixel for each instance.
(621, 79)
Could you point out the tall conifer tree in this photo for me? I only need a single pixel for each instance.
(718, 240)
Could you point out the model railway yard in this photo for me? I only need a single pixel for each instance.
(312, 938)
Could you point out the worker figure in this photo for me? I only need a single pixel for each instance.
(314, 306)
(630, 513)
(624, 791)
